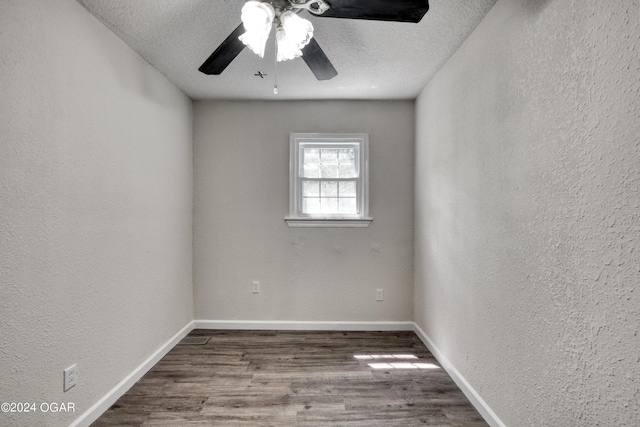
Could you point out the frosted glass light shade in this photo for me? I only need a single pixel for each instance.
(257, 18)
(292, 35)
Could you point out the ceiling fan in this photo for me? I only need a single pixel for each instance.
(259, 15)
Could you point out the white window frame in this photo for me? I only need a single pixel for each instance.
(299, 141)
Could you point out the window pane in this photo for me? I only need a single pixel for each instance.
(347, 163)
(328, 163)
(310, 189)
(311, 171)
(311, 163)
(348, 189)
(329, 205)
(310, 205)
(328, 170)
(329, 155)
(329, 189)
(347, 154)
(347, 206)
(311, 155)
(347, 170)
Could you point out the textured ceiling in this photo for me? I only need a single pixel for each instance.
(375, 60)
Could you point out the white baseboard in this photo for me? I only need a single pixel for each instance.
(476, 400)
(92, 414)
(285, 325)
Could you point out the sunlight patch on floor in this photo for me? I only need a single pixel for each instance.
(395, 365)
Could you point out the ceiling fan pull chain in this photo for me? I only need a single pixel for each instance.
(275, 66)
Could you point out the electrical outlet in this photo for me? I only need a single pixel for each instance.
(70, 376)
(379, 294)
(255, 287)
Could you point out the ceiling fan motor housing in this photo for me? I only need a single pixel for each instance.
(317, 7)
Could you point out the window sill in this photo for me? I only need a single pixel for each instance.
(328, 222)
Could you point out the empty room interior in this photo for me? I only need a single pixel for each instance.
(485, 207)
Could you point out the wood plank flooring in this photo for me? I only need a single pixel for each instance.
(290, 378)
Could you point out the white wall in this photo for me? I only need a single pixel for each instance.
(528, 210)
(95, 208)
(241, 195)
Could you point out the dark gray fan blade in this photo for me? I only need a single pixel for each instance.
(317, 61)
(224, 54)
(378, 10)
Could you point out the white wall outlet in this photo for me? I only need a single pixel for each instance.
(379, 294)
(70, 376)
(255, 287)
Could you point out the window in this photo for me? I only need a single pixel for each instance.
(328, 181)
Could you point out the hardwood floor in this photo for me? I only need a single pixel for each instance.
(287, 378)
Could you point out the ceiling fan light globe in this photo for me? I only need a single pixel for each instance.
(256, 15)
(257, 18)
(287, 49)
(255, 41)
(292, 35)
(299, 30)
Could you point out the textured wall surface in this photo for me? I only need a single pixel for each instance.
(95, 208)
(528, 212)
(241, 197)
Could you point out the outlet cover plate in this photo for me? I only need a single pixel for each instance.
(70, 377)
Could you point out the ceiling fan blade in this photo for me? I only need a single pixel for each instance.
(224, 54)
(317, 61)
(378, 10)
